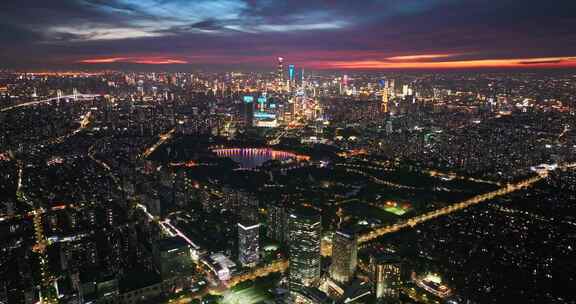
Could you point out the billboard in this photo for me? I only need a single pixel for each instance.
(264, 115)
(248, 99)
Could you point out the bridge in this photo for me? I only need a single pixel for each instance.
(52, 99)
(162, 139)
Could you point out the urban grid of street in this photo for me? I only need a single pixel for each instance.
(282, 265)
(326, 250)
(279, 265)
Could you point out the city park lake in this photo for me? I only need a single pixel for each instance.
(250, 158)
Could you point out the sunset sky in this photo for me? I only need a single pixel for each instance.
(317, 34)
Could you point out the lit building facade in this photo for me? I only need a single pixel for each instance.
(384, 104)
(276, 222)
(344, 257)
(386, 276)
(248, 110)
(248, 244)
(305, 231)
(280, 71)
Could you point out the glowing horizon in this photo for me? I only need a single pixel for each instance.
(421, 57)
(136, 60)
(423, 61)
(543, 62)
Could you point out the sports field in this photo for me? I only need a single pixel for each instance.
(251, 295)
(396, 210)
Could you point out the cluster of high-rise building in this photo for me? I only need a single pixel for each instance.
(126, 187)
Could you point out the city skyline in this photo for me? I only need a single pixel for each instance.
(319, 35)
(287, 152)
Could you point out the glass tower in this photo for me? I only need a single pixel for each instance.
(305, 231)
(344, 257)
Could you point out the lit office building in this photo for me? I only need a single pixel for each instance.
(280, 71)
(276, 222)
(305, 231)
(292, 76)
(384, 104)
(344, 257)
(248, 110)
(249, 244)
(386, 276)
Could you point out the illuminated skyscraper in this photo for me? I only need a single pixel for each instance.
(386, 277)
(305, 231)
(291, 73)
(280, 71)
(248, 110)
(344, 257)
(391, 88)
(277, 222)
(384, 104)
(262, 102)
(248, 244)
(384, 92)
(405, 90)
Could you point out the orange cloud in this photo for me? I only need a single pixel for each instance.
(159, 61)
(138, 60)
(547, 62)
(104, 60)
(421, 57)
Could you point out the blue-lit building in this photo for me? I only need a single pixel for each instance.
(262, 103)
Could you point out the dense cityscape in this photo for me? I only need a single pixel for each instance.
(426, 178)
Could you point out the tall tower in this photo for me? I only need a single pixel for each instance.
(292, 74)
(344, 257)
(384, 92)
(249, 244)
(384, 103)
(248, 110)
(305, 231)
(277, 222)
(391, 87)
(280, 71)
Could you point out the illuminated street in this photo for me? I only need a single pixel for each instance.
(452, 208)
(287, 152)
